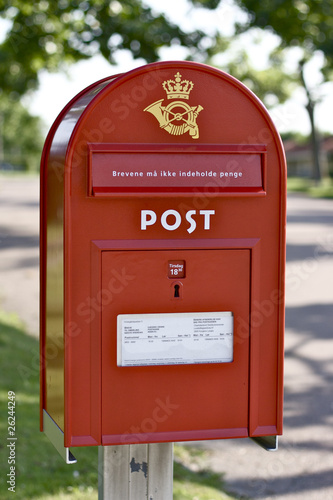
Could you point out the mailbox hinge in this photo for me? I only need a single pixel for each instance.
(269, 443)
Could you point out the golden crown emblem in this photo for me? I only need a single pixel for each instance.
(178, 88)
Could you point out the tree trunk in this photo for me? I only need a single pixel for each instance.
(316, 167)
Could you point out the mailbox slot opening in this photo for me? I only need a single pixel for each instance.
(129, 169)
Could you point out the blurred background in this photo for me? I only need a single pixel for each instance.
(283, 51)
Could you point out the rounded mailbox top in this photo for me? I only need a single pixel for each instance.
(181, 101)
(165, 104)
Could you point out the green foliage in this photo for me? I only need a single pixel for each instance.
(52, 34)
(192, 479)
(295, 136)
(209, 4)
(21, 138)
(306, 23)
(272, 85)
(323, 189)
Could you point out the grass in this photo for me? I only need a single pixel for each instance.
(324, 189)
(40, 472)
(192, 479)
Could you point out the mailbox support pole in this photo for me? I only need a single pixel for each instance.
(135, 472)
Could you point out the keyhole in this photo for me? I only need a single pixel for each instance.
(176, 291)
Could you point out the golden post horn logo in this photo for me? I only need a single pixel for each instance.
(178, 117)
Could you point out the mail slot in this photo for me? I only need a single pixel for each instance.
(162, 262)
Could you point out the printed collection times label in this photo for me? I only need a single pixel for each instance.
(175, 338)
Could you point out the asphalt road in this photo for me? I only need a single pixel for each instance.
(19, 248)
(303, 466)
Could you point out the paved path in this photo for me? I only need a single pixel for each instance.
(303, 466)
(19, 248)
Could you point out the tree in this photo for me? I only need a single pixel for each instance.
(52, 34)
(20, 136)
(272, 85)
(303, 24)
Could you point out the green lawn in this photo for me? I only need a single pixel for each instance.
(324, 189)
(40, 472)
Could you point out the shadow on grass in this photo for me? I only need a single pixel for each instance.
(192, 480)
(40, 471)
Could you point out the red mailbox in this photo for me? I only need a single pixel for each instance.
(162, 261)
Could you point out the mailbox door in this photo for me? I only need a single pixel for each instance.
(168, 402)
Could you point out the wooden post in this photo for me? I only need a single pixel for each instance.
(135, 472)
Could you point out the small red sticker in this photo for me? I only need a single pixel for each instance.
(176, 269)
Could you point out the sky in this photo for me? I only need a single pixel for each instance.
(57, 89)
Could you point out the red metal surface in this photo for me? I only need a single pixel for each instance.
(98, 259)
(51, 197)
(196, 398)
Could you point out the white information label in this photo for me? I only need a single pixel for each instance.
(170, 339)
